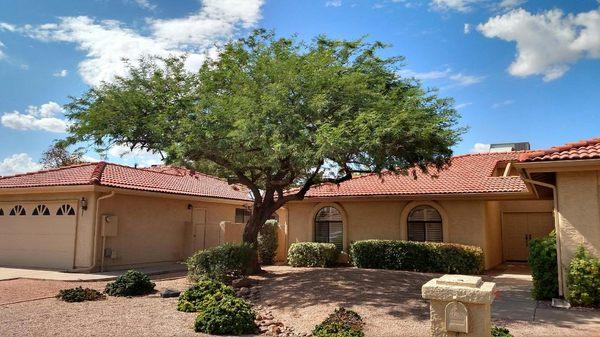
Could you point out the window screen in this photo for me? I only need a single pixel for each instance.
(329, 227)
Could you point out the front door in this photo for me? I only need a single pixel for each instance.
(519, 228)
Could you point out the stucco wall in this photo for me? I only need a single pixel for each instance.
(579, 212)
(493, 234)
(464, 221)
(152, 230)
(84, 235)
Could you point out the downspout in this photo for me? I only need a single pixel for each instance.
(556, 229)
(96, 226)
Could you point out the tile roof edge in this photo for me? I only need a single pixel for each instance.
(48, 170)
(559, 148)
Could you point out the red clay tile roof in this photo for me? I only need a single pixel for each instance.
(468, 174)
(585, 149)
(164, 179)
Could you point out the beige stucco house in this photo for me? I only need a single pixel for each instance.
(106, 216)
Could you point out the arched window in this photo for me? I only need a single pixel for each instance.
(65, 209)
(329, 227)
(1, 212)
(424, 224)
(41, 210)
(18, 210)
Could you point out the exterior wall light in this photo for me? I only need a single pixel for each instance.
(84, 204)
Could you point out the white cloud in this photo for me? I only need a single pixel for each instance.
(7, 27)
(145, 4)
(459, 79)
(40, 118)
(107, 42)
(462, 105)
(466, 80)
(503, 103)
(456, 5)
(62, 73)
(548, 43)
(510, 4)
(480, 148)
(2, 54)
(143, 158)
(467, 28)
(333, 3)
(18, 163)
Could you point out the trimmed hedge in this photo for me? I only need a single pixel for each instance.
(544, 269)
(194, 298)
(342, 323)
(80, 294)
(431, 257)
(223, 263)
(226, 316)
(132, 283)
(584, 280)
(267, 242)
(312, 254)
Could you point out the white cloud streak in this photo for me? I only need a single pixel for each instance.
(456, 78)
(105, 43)
(62, 73)
(503, 103)
(453, 5)
(548, 43)
(145, 4)
(480, 148)
(42, 118)
(333, 3)
(18, 163)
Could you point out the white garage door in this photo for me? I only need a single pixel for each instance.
(38, 234)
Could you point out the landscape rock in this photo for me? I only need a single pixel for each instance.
(170, 293)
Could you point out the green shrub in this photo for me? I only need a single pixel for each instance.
(80, 294)
(435, 257)
(312, 254)
(193, 299)
(228, 315)
(501, 332)
(132, 283)
(223, 263)
(584, 280)
(544, 269)
(267, 242)
(342, 323)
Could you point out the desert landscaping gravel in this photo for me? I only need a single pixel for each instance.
(388, 301)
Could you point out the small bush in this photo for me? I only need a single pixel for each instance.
(544, 269)
(584, 280)
(342, 323)
(431, 257)
(194, 298)
(312, 254)
(501, 332)
(226, 316)
(132, 283)
(267, 242)
(80, 294)
(223, 263)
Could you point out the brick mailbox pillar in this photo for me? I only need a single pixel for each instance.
(460, 305)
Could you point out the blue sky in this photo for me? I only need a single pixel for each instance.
(518, 70)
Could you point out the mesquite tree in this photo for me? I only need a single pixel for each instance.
(277, 115)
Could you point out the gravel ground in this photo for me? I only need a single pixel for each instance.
(388, 301)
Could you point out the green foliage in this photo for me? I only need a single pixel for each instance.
(341, 323)
(193, 299)
(584, 279)
(227, 315)
(267, 242)
(312, 254)
(223, 263)
(132, 283)
(80, 294)
(57, 155)
(544, 269)
(500, 332)
(418, 256)
(273, 113)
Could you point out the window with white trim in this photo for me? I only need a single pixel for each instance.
(329, 227)
(424, 224)
(18, 210)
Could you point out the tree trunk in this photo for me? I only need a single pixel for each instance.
(251, 230)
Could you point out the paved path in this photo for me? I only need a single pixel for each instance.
(7, 273)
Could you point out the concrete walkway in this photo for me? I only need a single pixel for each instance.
(7, 273)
